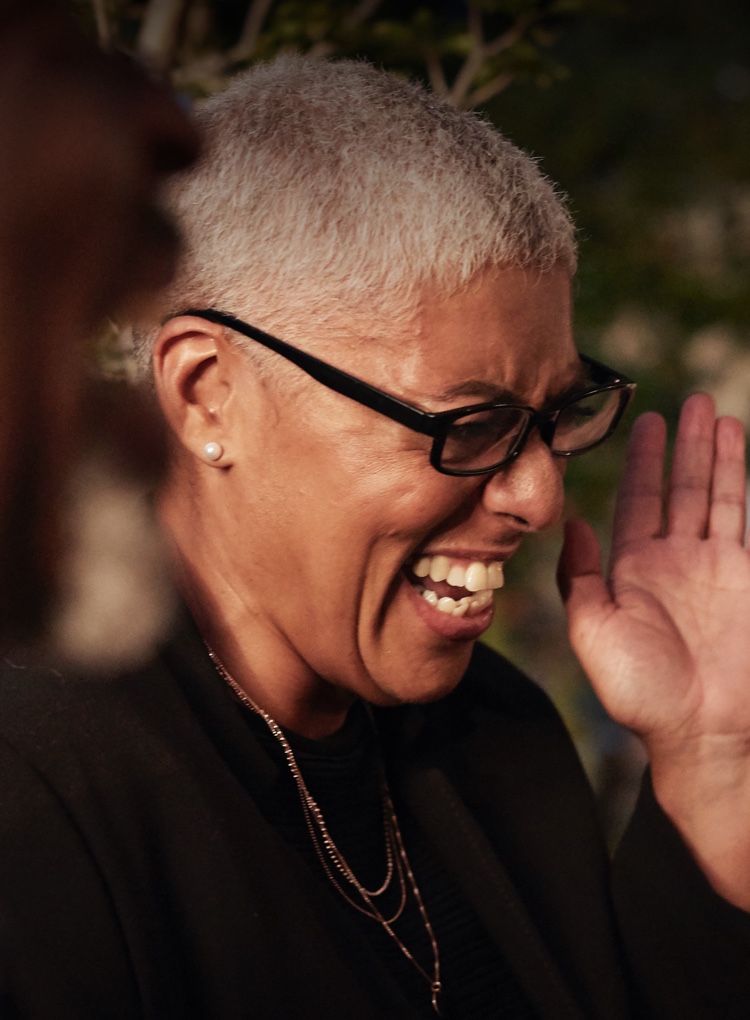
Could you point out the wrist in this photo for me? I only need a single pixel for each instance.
(704, 789)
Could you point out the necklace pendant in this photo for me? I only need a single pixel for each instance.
(436, 990)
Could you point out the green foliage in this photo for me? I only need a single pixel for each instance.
(467, 51)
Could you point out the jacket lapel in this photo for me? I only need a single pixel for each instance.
(465, 850)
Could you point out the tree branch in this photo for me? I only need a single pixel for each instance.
(510, 36)
(158, 33)
(103, 31)
(474, 59)
(363, 10)
(322, 48)
(435, 72)
(460, 93)
(488, 90)
(248, 40)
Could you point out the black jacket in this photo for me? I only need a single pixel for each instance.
(139, 879)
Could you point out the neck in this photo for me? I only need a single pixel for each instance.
(231, 620)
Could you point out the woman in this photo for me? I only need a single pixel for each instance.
(325, 799)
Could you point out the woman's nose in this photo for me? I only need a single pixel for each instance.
(529, 488)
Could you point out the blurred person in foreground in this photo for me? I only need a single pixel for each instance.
(325, 799)
(87, 140)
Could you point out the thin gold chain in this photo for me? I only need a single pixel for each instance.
(334, 862)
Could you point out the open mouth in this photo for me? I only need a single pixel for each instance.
(454, 587)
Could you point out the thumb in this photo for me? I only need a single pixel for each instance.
(579, 578)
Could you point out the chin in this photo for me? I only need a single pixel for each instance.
(430, 682)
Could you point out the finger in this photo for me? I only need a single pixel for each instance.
(728, 493)
(692, 467)
(581, 584)
(579, 555)
(638, 510)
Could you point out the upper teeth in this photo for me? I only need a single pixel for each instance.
(476, 577)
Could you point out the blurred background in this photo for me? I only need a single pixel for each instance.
(641, 112)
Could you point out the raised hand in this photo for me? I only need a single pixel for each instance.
(665, 639)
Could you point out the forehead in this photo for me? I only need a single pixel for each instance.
(508, 335)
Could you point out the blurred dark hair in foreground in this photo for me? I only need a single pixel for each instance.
(87, 141)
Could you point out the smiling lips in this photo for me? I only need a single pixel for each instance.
(437, 574)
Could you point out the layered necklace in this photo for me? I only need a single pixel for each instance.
(335, 865)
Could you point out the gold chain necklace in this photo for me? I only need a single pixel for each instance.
(333, 861)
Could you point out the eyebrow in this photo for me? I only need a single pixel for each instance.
(480, 391)
(474, 389)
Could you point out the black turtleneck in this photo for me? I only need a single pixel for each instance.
(343, 774)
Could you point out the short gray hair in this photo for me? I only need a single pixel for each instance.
(327, 187)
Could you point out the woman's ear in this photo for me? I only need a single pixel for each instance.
(194, 384)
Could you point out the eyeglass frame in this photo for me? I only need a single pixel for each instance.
(435, 424)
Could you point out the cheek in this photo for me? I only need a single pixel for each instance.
(345, 491)
(408, 499)
(364, 483)
(419, 509)
(394, 483)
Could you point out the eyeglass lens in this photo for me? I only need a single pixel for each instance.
(584, 422)
(482, 439)
(487, 438)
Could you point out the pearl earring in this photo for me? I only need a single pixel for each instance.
(212, 451)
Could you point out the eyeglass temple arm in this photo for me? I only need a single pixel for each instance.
(425, 422)
(601, 372)
(334, 378)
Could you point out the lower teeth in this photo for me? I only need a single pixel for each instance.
(469, 605)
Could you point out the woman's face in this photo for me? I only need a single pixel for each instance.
(328, 507)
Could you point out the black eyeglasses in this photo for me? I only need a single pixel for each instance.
(480, 438)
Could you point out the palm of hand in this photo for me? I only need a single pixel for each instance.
(666, 643)
(665, 640)
(678, 634)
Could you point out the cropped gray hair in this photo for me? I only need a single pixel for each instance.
(332, 187)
